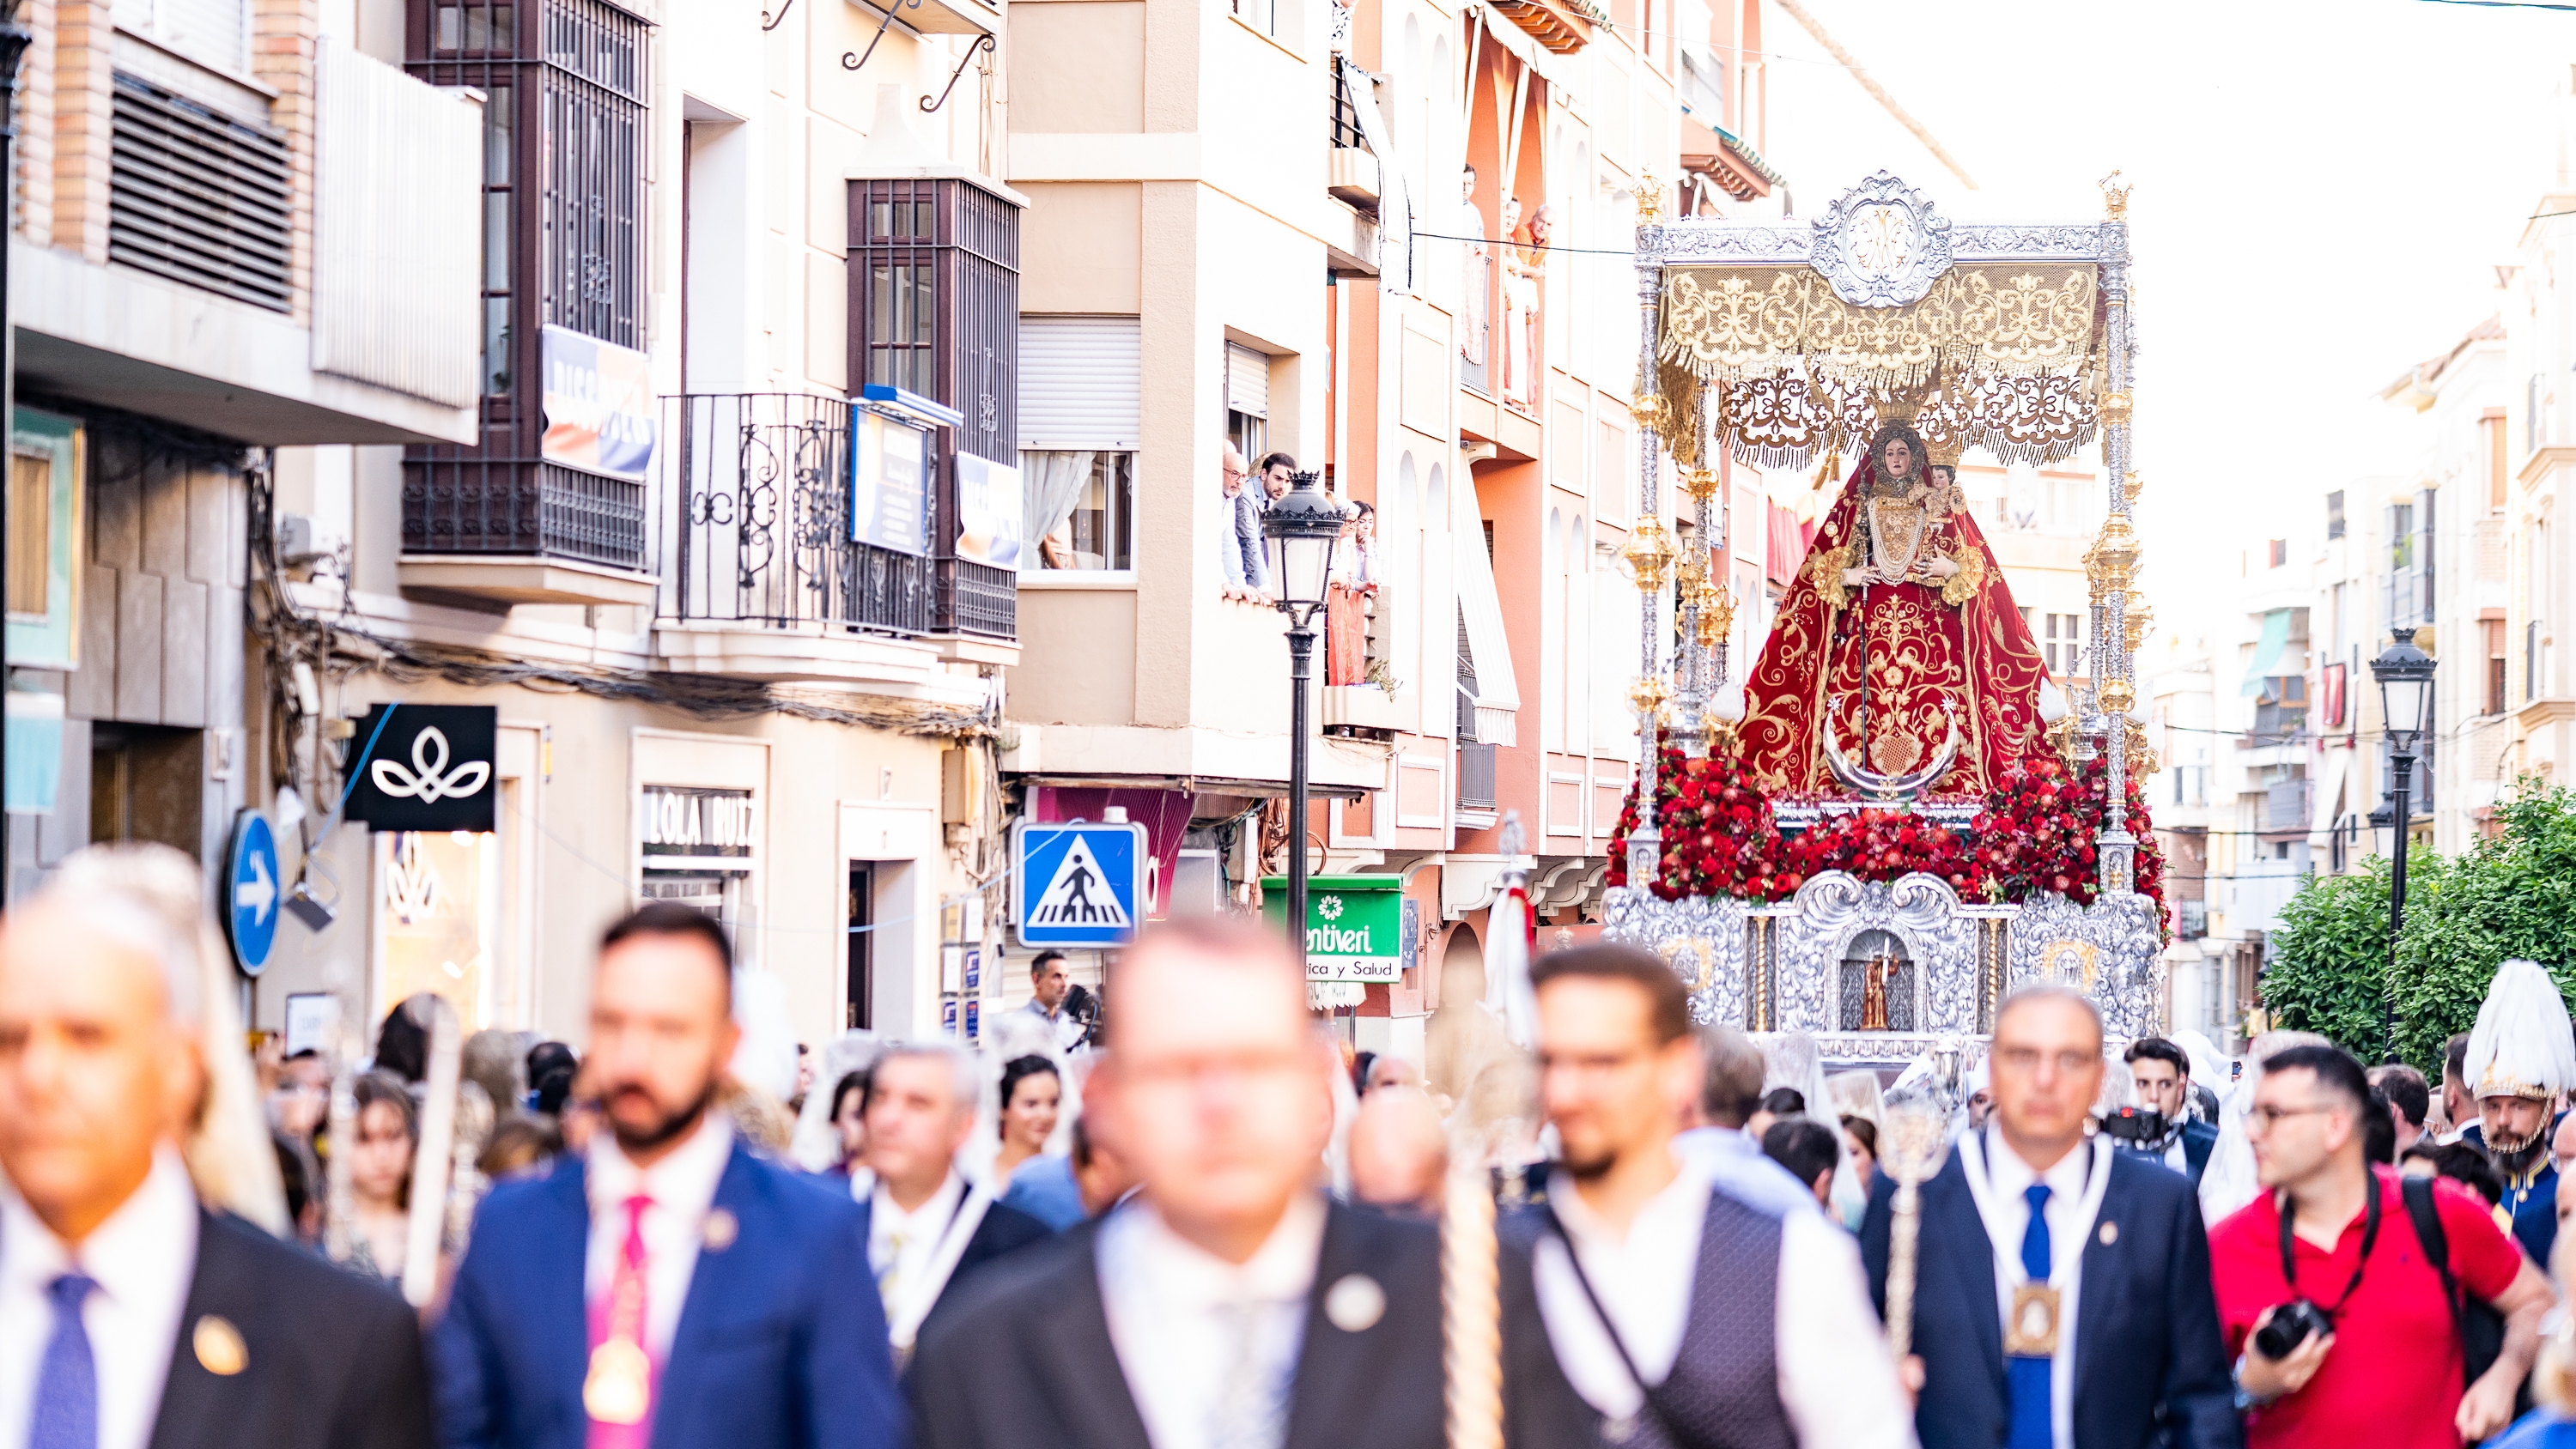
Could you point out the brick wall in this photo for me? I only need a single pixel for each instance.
(83, 112)
(282, 39)
(34, 157)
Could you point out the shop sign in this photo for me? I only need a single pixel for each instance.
(598, 404)
(1355, 925)
(425, 767)
(683, 821)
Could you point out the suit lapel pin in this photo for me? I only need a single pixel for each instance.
(1355, 1303)
(219, 1346)
(2110, 1234)
(720, 1231)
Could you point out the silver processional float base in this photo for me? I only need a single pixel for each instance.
(1941, 964)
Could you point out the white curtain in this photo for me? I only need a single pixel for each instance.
(1051, 483)
(1498, 695)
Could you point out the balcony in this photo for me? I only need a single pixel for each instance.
(1477, 795)
(520, 532)
(2285, 806)
(761, 575)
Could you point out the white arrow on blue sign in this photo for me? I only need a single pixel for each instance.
(1077, 884)
(253, 890)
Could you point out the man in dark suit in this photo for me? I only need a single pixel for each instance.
(1230, 1303)
(130, 1313)
(927, 1230)
(667, 1287)
(2161, 1071)
(2062, 1297)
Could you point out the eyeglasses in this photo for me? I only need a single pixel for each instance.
(2265, 1117)
(2022, 1061)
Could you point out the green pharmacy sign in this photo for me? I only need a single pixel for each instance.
(1354, 925)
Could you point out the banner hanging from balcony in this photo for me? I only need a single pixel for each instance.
(988, 512)
(890, 464)
(598, 403)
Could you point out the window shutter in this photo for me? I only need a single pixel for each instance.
(1079, 383)
(1247, 380)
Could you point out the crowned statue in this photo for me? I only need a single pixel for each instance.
(1899, 665)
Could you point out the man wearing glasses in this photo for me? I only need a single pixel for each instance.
(2062, 1295)
(2376, 1357)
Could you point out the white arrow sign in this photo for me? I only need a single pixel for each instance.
(258, 893)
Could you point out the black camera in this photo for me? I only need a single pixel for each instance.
(2135, 1124)
(2291, 1324)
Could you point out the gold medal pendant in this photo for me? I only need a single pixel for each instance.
(2031, 1330)
(619, 1386)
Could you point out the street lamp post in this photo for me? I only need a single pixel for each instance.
(1300, 529)
(2405, 675)
(15, 37)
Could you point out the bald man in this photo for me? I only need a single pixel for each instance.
(131, 1314)
(1230, 1302)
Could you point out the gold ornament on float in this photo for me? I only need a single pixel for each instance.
(1649, 554)
(2116, 696)
(2139, 617)
(1700, 483)
(1716, 614)
(2117, 408)
(2112, 561)
(2115, 198)
(2135, 485)
(1648, 693)
(1650, 198)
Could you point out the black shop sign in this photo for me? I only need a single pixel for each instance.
(425, 767)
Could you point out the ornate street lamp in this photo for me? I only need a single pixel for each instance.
(1300, 530)
(2405, 675)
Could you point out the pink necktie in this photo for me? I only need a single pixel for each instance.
(620, 1388)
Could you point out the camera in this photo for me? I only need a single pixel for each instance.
(2135, 1124)
(2291, 1324)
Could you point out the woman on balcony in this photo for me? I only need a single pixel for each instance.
(1524, 265)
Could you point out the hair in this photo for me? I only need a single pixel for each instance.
(1038, 962)
(551, 1068)
(850, 1082)
(402, 1043)
(2049, 991)
(1667, 1002)
(1020, 1069)
(1730, 1081)
(1360, 1064)
(291, 1179)
(1360, 509)
(2337, 1073)
(2378, 1130)
(1081, 1144)
(2455, 1059)
(2406, 1090)
(382, 1086)
(1784, 1102)
(518, 1144)
(491, 1060)
(2157, 1049)
(1863, 1131)
(1893, 433)
(670, 918)
(303, 1054)
(965, 1077)
(1276, 460)
(2462, 1164)
(1804, 1146)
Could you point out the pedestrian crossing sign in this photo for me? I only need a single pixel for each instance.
(1077, 884)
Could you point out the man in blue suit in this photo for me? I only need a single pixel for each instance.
(2062, 1297)
(668, 1288)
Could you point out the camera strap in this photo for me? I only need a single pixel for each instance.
(2369, 1239)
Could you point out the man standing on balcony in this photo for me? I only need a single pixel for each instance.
(1245, 572)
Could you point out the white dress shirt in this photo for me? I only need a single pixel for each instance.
(900, 1244)
(1175, 1315)
(1058, 1024)
(1836, 1380)
(2075, 1185)
(143, 1258)
(1735, 1164)
(683, 1188)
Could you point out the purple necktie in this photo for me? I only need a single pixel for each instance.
(66, 1415)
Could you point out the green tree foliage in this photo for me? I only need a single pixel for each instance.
(2511, 895)
(2329, 964)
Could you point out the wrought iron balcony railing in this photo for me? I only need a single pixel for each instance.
(757, 511)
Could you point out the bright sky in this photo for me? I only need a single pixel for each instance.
(2322, 190)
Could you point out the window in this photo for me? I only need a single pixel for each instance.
(2493, 424)
(2334, 514)
(2535, 431)
(902, 296)
(1079, 510)
(2063, 647)
(2280, 552)
(2281, 710)
(1261, 15)
(2491, 633)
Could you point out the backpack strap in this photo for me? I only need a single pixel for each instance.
(2436, 1242)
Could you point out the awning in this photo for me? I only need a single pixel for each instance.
(1480, 606)
(938, 17)
(1394, 203)
(2267, 652)
(1563, 72)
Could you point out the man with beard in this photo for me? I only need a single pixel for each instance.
(2521, 1058)
(1685, 1315)
(665, 1286)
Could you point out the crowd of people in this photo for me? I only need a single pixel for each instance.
(1215, 1228)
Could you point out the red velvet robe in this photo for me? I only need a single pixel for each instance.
(1926, 659)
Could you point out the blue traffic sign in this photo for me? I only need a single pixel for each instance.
(1077, 884)
(253, 892)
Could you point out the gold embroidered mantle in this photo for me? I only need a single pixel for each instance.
(1732, 324)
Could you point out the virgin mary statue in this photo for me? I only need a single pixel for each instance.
(1897, 642)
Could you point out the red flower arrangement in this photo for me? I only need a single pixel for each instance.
(2033, 837)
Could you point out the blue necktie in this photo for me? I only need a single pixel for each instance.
(66, 1415)
(2028, 1377)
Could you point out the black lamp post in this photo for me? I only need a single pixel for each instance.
(2405, 675)
(1301, 529)
(15, 37)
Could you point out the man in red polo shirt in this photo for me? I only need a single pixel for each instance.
(2387, 1373)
